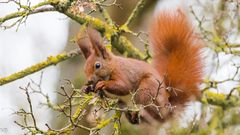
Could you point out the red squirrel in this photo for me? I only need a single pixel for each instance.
(171, 79)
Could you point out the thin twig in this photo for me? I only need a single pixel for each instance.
(140, 5)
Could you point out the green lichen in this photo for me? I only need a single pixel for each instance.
(219, 99)
(103, 123)
(81, 107)
(123, 45)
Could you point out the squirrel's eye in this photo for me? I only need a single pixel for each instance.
(97, 65)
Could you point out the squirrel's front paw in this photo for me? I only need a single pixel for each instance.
(101, 85)
(87, 89)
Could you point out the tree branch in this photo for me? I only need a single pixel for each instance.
(51, 60)
(111, 32)
(219, 99)
(31, 10)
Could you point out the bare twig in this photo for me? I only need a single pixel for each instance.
(140, 5)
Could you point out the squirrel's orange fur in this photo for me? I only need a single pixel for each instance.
(171, 80)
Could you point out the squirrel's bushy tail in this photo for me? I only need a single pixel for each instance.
(176, 54)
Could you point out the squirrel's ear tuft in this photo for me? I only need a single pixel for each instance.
(84, 43)
(97, 44)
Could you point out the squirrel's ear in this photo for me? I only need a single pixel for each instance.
(97, 44)
(84, 43)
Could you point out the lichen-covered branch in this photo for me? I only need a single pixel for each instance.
(121, 43)
(219, 99)
(124, 47)
(51, 60)
(25, 13)
(29, 10)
